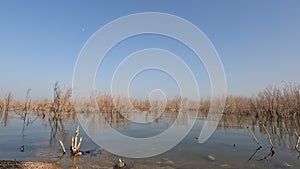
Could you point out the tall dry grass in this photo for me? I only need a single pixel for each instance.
(271, 102)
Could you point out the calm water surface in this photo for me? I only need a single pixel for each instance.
(231, 146)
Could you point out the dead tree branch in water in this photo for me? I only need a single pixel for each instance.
(7, 102)
(298, 140)
(62, 146)
(297, 144)
(27, 101)
(269, 136)
(27, 105)
(56, 99)
(272, 152)
(255, 138)
(257, 142)
(254, 153)
(6, 108)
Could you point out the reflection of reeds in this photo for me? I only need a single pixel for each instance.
(278, 108)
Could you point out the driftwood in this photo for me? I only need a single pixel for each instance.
(120, 164)
(75, 145)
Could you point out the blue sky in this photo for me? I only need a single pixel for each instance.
(258, 42)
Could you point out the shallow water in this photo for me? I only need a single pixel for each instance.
(231, 145)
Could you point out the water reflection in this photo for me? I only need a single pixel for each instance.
(282, 130)
(4, 118)
(62, 126)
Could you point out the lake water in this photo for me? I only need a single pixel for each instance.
(231, 146)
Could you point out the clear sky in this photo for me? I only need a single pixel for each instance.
(258, 42)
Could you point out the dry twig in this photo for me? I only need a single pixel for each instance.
(75, 144)
(62, 146)
(298, 140)
(297, 144)
(257, 142)
(272, 152)
(255, 138)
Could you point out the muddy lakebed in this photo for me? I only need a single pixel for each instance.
(232, 145)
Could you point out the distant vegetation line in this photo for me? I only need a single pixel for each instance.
(271, 102)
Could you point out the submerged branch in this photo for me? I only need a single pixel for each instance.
(254, 153)
(271, 154)
(298, 140)
(269, 136)
(62, 147)
(255, 138)
(272, 151)
(297, 144)
(257, 142)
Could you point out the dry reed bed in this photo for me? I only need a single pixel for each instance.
(270, 102)
(272, 106)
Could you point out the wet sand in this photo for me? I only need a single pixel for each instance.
(27, 165)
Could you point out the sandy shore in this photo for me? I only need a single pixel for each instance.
(27, 165)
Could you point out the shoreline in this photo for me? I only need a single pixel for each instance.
(9, 164)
